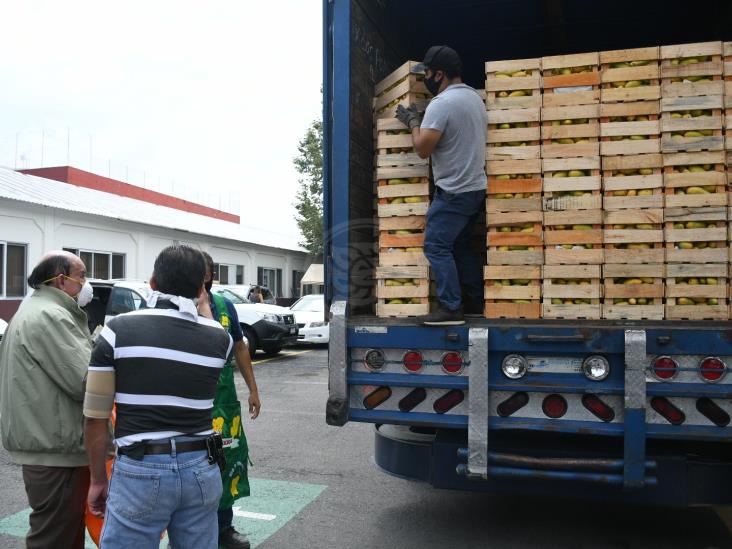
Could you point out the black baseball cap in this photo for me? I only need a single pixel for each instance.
(440, 58)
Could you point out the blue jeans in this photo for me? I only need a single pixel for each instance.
(448, 245)
(177, 492)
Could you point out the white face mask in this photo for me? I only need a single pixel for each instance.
(85, 295)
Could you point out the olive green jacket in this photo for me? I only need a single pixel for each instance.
(44, 358)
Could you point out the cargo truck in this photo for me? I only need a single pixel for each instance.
(628, 410)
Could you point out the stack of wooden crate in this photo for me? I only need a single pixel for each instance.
(727, 74)
(513, 201)
(572, 202)
(402, 178)
(695, 184)
(632, 182)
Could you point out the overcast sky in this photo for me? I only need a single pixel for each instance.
(182, 96)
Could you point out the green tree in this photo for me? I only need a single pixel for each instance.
(309, 198)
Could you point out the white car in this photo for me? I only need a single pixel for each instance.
(309, 315)
(3, 327)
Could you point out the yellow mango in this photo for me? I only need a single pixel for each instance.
(634, 281)
(696, 190)
(712, 301)
(685, 245)
(684, 301)
(575, 173)
(644, 226)
(693, 133)
(646, 171)
(581, 227)
(695, 225)
(414, 199)
(518, 93)
(397, 200)
(645, 192)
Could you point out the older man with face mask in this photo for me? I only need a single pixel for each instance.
(43, 362)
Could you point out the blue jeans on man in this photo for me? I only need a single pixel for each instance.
(177, 492)
(448, 245)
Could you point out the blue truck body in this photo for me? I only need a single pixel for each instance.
(637, 453)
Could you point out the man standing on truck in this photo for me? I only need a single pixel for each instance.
(453, 134)
(227, 415)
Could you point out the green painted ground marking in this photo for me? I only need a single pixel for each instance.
(277, 498)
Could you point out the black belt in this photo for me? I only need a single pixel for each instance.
(162, 447)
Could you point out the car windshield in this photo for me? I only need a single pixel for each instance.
(314, 303)
(231, 296)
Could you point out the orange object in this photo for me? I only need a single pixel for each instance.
(94, 524)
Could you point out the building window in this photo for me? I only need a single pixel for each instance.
(102, 265)
(270, 278)
(225, 273)
(296, 279)
(13, 259)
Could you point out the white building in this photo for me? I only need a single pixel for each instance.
(118, 230)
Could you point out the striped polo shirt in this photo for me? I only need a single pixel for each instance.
(166, 365)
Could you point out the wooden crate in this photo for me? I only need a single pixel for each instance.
(392, 197)
(692, 123)
(630, 128)
(562, 139)
(514, 134)
(402, 300)
(577, 286)
(506, 179)
(395, 156)
(565, 86)
(573, 239)
(632, 182)
(633, 292)
(572, 184)
(504, 91)
(633, 236)
(638, 67)
(702, 172)
(402, 87)
(512, 291)
(515, 248)
(677, 68)
(703, 238)
(401, 241)
(679, 291)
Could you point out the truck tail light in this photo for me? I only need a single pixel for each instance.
(712, 412)
(670, 412)
(412, 361)
(374, 359)
(554, 406)
(448, 401)
(665, 367)
(452, 363)
(598, 408)
(376, 397)
(712, 369)
(412, 400)
(512, 404)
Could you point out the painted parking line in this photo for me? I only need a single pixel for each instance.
(281, 356)
(272, 505)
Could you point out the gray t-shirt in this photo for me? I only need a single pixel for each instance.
(458, 161)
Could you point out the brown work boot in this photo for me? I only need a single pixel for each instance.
(231, 539)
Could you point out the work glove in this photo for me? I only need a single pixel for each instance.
(410, 116)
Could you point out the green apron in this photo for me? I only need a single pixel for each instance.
(227, 421)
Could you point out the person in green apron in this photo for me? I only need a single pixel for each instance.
(226, 417)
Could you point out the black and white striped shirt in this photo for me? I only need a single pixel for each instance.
(166, 365)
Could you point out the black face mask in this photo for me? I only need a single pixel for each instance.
(433, 86)
(208, 285)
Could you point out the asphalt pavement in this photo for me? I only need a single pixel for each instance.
(316, 486)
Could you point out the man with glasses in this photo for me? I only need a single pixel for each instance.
(43, 362)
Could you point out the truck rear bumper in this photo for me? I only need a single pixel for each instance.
(683, 479)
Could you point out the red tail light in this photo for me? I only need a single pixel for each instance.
(665, 367)
(379, 396)
(413, 361)
(554, 406)
(412, 400)
(601, 410)
(712, 369)
(452, 363)
(448, 401)
(712, 412)
(512, 404)
(664, 407)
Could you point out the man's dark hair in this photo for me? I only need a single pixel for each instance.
(180, 270)
(49, 268)
(209, 262)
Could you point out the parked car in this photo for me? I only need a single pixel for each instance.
(266, 327)
(245, 290)
(3, 327)
(309, 316)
